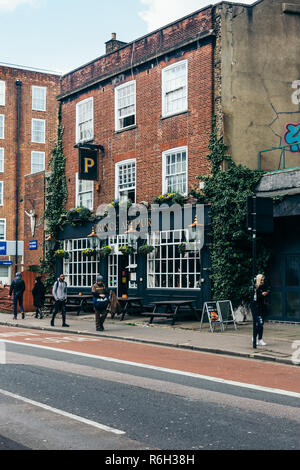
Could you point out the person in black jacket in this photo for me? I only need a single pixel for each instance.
(17, 288)
(261, 292)
(38, 293)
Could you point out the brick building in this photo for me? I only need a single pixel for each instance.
(28, 126)
(149, 105)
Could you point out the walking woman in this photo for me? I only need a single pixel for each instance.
(38, 293)
(100, 302)
(259, 312)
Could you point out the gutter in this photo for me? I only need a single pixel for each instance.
(18, 84)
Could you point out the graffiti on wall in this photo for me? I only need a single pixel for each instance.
(292, 136)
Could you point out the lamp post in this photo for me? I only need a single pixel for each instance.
(132, 234)
(196, 228)
(93, 239)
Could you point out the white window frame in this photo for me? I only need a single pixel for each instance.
(1, 193)
(3, 221)
(2, 92)
(43, 132)
(174, 89)
(122, 106)
(90, 120)
(77, 194)
(41, 101)
(118, 165)
(79, 270)
(164, 169)
(42, 164)
(167, 268)
(1, 160)
(2, 118)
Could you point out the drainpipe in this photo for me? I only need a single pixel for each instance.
(18, 85)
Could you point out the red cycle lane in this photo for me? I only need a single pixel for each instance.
(247, 371)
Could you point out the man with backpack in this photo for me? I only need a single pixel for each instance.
(59, 293)
(17, 288)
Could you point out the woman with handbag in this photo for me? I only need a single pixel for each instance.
(100, 302)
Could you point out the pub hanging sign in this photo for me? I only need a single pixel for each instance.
(88, 163)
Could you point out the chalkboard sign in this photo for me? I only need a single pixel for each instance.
(218, 313)
(213, 314)
(226, 311)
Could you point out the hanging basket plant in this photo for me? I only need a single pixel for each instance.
(170, 198)
(79, 216)
(145, 249)
(89, 252)
(105, 250)
(127, 250)
(61, 254)
(182, 248)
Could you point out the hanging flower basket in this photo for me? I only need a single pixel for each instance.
(127, 250)
(105, 250)
(182, 248)
(145, 249)
(79, 216)
(89, 252)
(61, 254)
(170, 198)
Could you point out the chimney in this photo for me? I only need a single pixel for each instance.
(113, 44)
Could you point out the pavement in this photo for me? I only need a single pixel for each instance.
(283, 339)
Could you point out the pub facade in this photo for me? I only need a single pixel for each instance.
(136, 132)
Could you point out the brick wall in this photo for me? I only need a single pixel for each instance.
(152, 134)
(28, 78)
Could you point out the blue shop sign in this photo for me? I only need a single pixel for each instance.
(3, 248)
(32, 244)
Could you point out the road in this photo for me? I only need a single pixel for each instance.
(66, 391)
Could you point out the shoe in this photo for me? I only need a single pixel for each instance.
(52, 323)
(23, 316)
(261, 342)
(100, 328)
(64, 324)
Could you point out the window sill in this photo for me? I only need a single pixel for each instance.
(129, 128)
(162, 118)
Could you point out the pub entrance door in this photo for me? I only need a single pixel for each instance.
(285, 288)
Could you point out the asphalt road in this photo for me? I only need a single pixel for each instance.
(54, 400)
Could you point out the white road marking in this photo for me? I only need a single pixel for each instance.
(103, 427)
(163, 369)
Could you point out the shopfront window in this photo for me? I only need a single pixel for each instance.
(79, 270)
(167, 267)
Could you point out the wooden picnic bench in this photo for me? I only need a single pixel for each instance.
(173, 309)
(75, 303)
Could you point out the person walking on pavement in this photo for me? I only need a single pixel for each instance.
(17, 288)
(38, 293)
(259, 311)
(100, 302)
(59, 293)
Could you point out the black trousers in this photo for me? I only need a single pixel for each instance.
(59, 305)
(258, 322)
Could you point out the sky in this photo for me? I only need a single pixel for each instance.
(61, 35)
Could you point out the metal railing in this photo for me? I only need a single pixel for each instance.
(285, 161)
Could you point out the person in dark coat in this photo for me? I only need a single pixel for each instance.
(259, 312)
(100, 302)
(38, 293)
(17, 288)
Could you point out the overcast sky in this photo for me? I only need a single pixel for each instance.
(61, 35)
